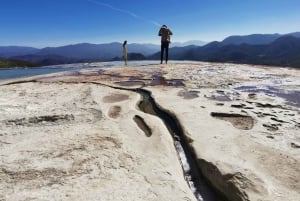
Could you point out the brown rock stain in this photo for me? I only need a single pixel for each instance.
(115, 97)
(239, 121)
(114, 111)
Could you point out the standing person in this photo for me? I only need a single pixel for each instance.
(125, 52)
(165, 34)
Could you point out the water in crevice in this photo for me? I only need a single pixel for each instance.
(192, 174)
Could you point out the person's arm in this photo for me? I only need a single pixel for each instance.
(170, 32)
(159, 33)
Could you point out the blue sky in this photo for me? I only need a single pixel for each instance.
(41, 23)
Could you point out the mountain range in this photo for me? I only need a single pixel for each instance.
(80, 51)
(256, 39)
(266, 49)
(284, 51)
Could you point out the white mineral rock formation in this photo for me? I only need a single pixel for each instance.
(72, 136)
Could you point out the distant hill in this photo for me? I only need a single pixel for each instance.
(256, 39)
(10, 51)
(284, 51)
(84, 50)
(295, 34)
(100, 52)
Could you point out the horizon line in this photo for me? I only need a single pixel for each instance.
(152, 43)
(69, 44)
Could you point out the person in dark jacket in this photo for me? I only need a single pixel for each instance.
(165, 34)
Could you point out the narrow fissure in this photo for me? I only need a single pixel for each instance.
(188, 160)
(202, 190)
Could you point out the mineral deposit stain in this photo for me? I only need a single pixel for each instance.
(188, 94)
(74, 73)
(135, 78)
(291, 96)
(116, 97)
(238, 105)
(271, 127)
(130, 83)
(43, 177)
(220, 96)
(108, 142)
(159, 79)
(40, 120)
(239, 121)
(114, 112)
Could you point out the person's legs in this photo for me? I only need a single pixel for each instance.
(161, 52)
(164, 47)
(167, 52)
(125, 55)
(125, 59)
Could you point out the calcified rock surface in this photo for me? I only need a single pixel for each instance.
(73, 137)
